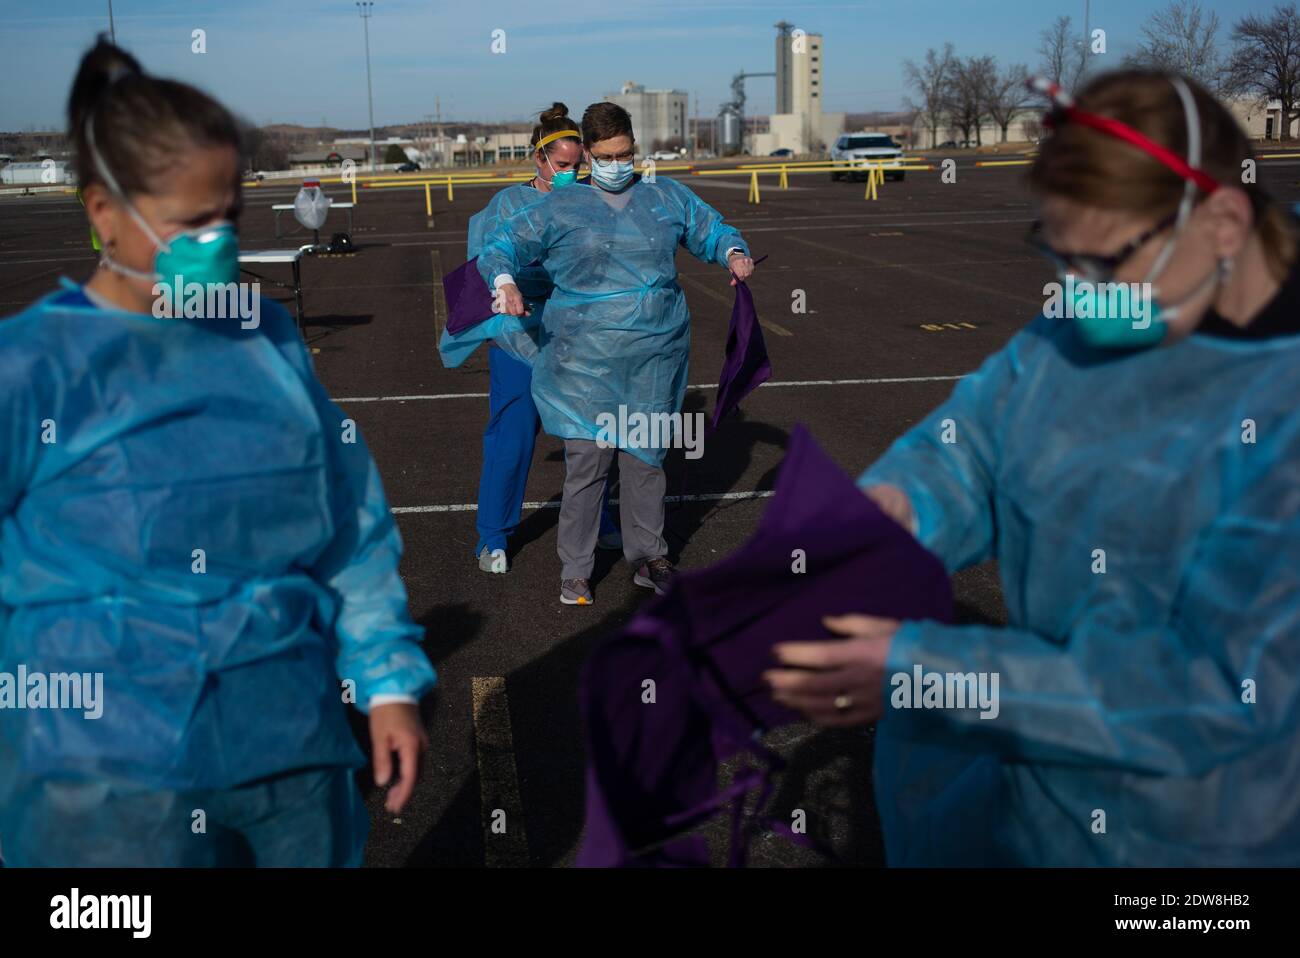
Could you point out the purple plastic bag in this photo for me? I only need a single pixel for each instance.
(469, 301)
(652, 768)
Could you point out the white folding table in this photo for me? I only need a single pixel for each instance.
(278, 256)
(279, 208)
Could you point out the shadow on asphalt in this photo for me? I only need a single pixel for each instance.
(544, 711)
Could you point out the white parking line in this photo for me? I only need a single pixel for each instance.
(456, 238)
(555, 504)
(768, 385)
(838, 226)
(505, 842)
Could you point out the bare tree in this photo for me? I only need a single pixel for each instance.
(1183, 38)
(930, 80)
(1063, 57)
(968, 94)
(1266, 59)
(262, 151)
(1007, 96)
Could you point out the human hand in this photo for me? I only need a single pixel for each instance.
(838, 682)
(396, 727)
(894, 503)
(741, 265)
(510, 301)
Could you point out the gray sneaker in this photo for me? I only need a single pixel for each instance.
(655, 574)
(576, 592)
(494, 561)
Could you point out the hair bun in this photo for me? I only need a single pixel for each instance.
(102, 66)
(558, 111)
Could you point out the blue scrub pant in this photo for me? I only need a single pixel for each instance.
(507, 449)
(313, 818)
(508, 452)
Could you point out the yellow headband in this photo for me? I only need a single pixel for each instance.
(557, 136)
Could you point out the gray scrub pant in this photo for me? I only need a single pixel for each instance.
(641, 506)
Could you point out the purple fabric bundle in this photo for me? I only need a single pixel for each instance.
(469, 301)
(745, 366)
(652, 767)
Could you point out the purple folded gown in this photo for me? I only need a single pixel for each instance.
(745, 366)
(652, 768)
(469, 301)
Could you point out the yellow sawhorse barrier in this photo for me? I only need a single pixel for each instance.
(875, 175)
(872, 193)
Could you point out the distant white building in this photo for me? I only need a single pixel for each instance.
(381, 144)
(1262, 119)
(41, 173)
(799, 123)
(1023, 128)
(657, 115)
(327, 157)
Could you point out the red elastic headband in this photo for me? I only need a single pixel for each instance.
(1122, 131)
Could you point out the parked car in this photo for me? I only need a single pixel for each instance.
(659, 155)
(860, 147)
(947, 145)
(410, 166)
(782, 152)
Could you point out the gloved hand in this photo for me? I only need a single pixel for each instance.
(510, 301)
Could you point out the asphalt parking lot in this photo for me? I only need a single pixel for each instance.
(903, 296)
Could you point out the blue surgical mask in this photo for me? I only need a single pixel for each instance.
(561, 178)
(1129, 315)
(207, 255)
(613, 176)
(1116, 315)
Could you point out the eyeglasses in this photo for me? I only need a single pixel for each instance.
(627, 157)
(1097, 267)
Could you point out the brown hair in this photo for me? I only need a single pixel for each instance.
(604, 121)
(140, 122)
(554, 120)
(1095, 169)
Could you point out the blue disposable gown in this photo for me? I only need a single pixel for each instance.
(517, 335)
(616, 331)
(131, 442)
(1158, 699)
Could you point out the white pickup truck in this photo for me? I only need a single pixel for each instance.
(874, 147)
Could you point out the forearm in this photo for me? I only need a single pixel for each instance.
(1127, 700)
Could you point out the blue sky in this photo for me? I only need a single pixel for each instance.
(303, 61)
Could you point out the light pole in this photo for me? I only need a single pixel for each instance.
(112, 30)
(364, 7)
